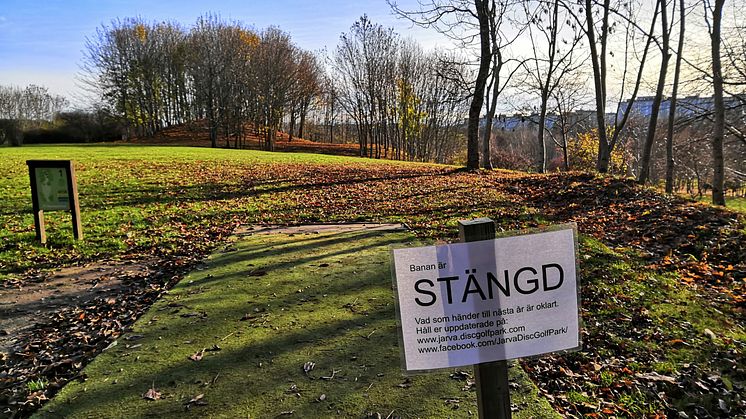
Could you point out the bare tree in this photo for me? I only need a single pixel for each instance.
(598, 20)
(26, 108)
(670, 163)
(551, 61)
(498, 81)
(718, 129)
(275, 70)
(459, 19)
(644, 174)
(365, 61)
(568, 98)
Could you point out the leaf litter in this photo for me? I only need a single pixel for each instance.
(703, 246)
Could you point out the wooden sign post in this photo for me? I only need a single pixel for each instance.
(485, 301)
(491, 378)
(54, 187)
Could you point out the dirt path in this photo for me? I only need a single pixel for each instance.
(319, 228)
(22, 306)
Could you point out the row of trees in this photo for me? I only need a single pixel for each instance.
(161, 74)
(404, 102)
(619, 40)
(26, 108)
(399, 101)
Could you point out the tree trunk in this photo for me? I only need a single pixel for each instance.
(718, 129)
(598, 61)
(497, 63)
(653, 120)
(214, 136)
(303, 110)
(487, 133)
(541, 164)
(477, 100)
(565, 158)
(291, 129)
(672, 109)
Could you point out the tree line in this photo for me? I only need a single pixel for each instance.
(547, 59)
(404, 103)
(157, 75)
(26, 108)
(621, 47)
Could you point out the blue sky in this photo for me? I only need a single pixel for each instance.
(42, 41)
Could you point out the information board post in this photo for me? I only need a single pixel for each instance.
(41, 231)
(491, 378)
(54, 187)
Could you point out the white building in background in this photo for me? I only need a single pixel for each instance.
(580, 120)
(687, 106)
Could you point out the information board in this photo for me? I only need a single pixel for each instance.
(52, 189)
(484, 301)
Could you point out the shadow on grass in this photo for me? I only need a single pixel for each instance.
(341, 317)
(210, 191)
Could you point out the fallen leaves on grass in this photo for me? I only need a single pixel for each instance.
(705, 246)
(197, 356)
(152, 394)
(196, 401)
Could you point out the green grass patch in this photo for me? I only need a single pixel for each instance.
(733, 203)
(321, 298)
(36, 385)
(140, 199)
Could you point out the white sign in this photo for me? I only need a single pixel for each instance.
(485, 301)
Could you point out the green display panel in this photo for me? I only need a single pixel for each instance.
(52, 189)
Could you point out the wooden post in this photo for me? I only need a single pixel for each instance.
(41, 233)
(72, 186)
(493, 396)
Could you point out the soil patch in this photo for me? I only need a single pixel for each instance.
(319, 228)
(22, 306)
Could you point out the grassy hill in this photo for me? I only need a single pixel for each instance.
(663, 278)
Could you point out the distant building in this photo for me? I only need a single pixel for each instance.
(580, 120)
(685, 106)
(518, 121)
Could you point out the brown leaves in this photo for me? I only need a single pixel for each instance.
(196, 401)
(654, 376)
(673, 233)
(704, 244)
(197, 356)
(152, 394)
(61, 343)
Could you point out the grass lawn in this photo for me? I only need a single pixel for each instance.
(137, 200)
(325, 298)
(662, 278)
(733, 203)
(736, 204)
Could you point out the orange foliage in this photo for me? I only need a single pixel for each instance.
(141, 32)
